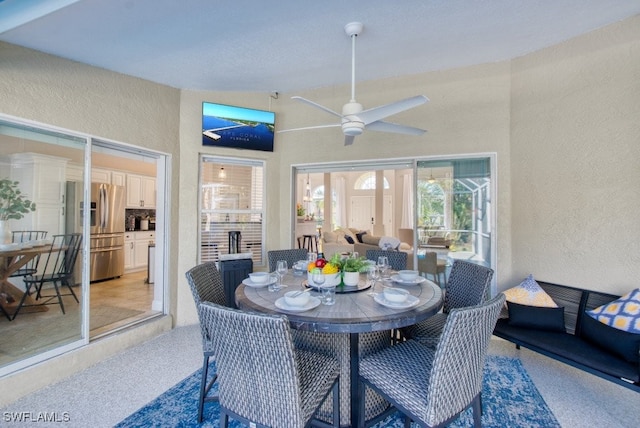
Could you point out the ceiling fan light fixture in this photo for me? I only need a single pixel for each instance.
(352, 128)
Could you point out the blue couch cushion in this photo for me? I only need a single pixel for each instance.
(569, 347)
(541, 318)
(622, 343)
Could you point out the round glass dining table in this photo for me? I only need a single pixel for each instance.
(355, 326)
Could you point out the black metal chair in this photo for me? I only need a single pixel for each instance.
(264, 381)
(206, 286)
(397, 259)
(57, 270)
(291, 256)
(31, 267)
(468, 285)
(432, 387)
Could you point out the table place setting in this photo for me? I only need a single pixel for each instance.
(396, 298)
(407, 277)
(297, 301)
(260, 279)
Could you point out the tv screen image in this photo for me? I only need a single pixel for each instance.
(237, 127)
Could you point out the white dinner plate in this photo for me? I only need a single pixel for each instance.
(411, 301)
(312, 303)
(418, 280)
(249, 283)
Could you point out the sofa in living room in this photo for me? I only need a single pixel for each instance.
(347, 240)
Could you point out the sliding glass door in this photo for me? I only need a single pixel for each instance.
(446, 202)
(454, 209)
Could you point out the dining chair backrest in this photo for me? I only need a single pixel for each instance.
(256, 365)
(31, 267)
(455, 377)
(28, 235)
(61, 259)
(291, 256)
(397, 259)
(206, 285)
(468, 285)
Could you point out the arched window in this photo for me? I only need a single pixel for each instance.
(367, 181)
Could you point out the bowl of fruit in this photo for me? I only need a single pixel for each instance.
(330, 272)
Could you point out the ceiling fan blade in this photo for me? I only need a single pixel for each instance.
(335, 125)
(394, 127)
(348, 140)
(375, 114)
(316, 105)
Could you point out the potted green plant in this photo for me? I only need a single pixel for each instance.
(13, 205)
(350, 268)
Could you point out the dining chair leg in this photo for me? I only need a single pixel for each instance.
(55, 285)
(203, 388)
(224, 419)
(477, 411)
(407, 422)
(27, 292)
(336, 404)
(361, 409)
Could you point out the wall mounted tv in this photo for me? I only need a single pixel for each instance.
(237, 127)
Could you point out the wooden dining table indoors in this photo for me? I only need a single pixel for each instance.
(10, 262)
(355, 325)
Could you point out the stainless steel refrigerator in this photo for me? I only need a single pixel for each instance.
(107, 224)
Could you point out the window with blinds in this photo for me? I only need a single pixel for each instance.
(231, 208)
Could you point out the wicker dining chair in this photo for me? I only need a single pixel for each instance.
(264, 381)
(291, 256)
(206, 285)
(397, 259)
(468, 285)
(432, 387)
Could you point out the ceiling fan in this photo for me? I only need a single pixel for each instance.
(354, 120)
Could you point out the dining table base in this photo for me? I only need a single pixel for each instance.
(347, 348)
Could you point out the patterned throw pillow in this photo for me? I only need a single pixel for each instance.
(623, 313)
(529, 293)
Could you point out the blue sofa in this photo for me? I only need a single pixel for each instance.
(576, 346)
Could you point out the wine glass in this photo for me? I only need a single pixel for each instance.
(383, 265)
(372, 277)
(282, 269)
(318, 278)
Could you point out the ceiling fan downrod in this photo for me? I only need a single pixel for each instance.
(353, 29)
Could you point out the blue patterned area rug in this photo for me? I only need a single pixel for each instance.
(509, 399)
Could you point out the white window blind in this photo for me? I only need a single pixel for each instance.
(231, 200)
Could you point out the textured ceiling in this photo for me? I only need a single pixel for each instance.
(292, 45)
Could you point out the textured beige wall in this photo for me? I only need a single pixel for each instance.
(190, 149)
(78, 97)
(575, 161)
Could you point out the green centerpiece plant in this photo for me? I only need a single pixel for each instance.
(349, 267)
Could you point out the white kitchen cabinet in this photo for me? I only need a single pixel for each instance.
(141, 191)
(118, 178)
(74, 172)
(42, 179)
(136, 247)
(100, 176)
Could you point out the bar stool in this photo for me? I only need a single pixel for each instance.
(310, 242)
